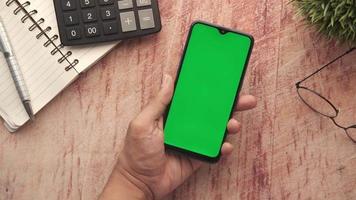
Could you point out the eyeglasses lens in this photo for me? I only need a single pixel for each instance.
(351, 132)
(317, 103)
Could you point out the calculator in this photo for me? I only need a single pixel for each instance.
(93, 21)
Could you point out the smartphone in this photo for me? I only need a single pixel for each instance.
(209, 78)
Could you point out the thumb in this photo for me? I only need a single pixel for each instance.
(155, 109)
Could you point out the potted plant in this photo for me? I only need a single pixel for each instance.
(334, 18)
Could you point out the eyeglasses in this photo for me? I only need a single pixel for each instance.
(321, 104)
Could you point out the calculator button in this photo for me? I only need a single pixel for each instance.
(68, 5)
(108, 13)
(92, 30)
(73, 33)
(87, 3)
(89, 15)
(141, 3)
(106, 2)
(71, 18)
(146, 19)
(125, 4)
(110, 28)
(128, 21)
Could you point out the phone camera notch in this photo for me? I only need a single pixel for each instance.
(223, 31)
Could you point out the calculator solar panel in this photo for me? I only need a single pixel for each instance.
(92, 21)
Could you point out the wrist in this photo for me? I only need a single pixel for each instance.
(144, 189)
(122, 185)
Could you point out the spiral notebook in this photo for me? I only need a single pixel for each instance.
(47, 65)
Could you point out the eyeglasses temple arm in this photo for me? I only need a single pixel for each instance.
(326, 65)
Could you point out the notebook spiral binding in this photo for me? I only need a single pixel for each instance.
(28, 15)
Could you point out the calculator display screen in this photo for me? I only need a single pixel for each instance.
(210, 76)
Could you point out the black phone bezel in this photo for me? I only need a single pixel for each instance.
(223, 30)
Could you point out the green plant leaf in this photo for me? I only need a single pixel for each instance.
(334, 18)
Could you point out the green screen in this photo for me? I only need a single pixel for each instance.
(209, 78)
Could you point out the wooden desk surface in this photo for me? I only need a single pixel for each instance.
(285, 151)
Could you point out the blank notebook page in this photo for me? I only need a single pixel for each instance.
(45, 77)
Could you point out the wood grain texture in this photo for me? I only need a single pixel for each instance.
(285, 151)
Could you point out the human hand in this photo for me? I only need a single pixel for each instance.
(144, 169)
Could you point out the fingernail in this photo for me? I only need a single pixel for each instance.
(166, 80)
